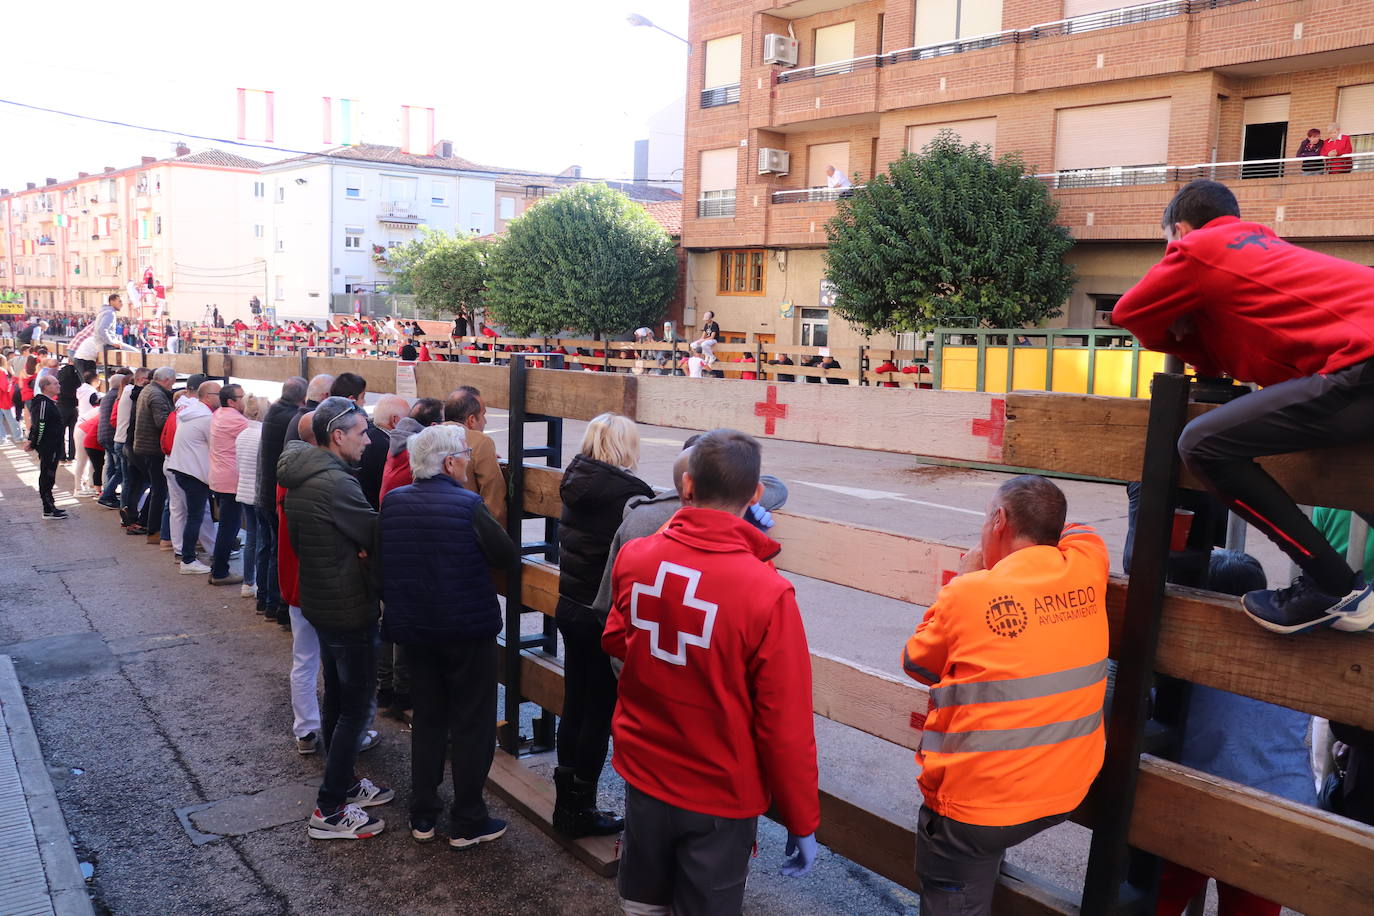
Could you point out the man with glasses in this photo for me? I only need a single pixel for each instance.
(332, 529)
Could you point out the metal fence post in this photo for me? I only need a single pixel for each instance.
(515, 517)
(1107, 859)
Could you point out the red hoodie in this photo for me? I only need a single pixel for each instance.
(714, 713)
(1261, 310)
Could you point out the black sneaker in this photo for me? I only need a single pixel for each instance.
(55, 515)
(1302, 606)
(112, 504)
(422, 829)
(136, 530)
(491, 830)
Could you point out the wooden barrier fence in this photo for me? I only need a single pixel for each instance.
(1304, 858)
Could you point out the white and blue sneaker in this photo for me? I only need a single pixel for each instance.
(366, 794)
(348, 823)
(1302, 606)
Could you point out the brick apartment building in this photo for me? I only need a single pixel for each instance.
(1112, 105)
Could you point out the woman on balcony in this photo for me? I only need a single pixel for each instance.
(1337, 150)
(1311, 149)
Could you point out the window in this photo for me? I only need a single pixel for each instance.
(281, 244)
(718, 173)
(392, 243)
(940, 21)
(353, 238)
(1355, 115)
(1118, 144)
(281, 193)
(815, 327)
(259, 189)
(157, 225)
(353, 186)
(508, 208)
(820, 156)
(280, 287)
(979, 130)
(438, 194)
(257, 230)
(834, 47)
(741, 273)
(720, 84)
(1266, 135)
(400, 190)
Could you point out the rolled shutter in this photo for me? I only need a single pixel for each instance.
(936, 21)
(980, 17)
(977, 130)
(1355, 113)
(1268, 109)
(1074, 8)
(821, 155)
(834, 43)
(1121, 134)
(718, 169)
(722, 62)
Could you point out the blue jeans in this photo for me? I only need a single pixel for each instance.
(269, 589)
(197, 498)
(9, 426)
(228, 535)
(157, 492)
(349, 661)
(250, 544)
(114, 472)
(135, 482)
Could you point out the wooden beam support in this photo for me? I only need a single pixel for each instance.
(532, 794)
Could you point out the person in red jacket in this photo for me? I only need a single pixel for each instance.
(1337, 149)
(1231, 297)
(714, 719)
(887, 365)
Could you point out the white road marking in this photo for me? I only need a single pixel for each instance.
(860, 493)
(654, 440)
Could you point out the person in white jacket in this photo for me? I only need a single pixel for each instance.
(92, 340)
(190, 465)
(246, 448)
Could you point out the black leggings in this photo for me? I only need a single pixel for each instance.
(1315, 411)
(589, 692)
(97, 456)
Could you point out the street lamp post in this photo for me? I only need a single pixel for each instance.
(636, 19)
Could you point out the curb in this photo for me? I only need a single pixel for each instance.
(66, 885)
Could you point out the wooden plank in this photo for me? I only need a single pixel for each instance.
(581, 395)
(1304, 858)
(532, 794)
(1048, 430)
(541, 490)
(884, 706)
(942, 424)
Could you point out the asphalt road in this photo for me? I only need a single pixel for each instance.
(155, 693)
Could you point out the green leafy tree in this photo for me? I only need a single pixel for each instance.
(945, 236)
(588, 259)
(445, 271)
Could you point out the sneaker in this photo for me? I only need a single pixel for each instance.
(112, 504)
(84, 491)
(422, 829)
(194, 568)
(492, 829)
(248, 591)
(235, 554)
(231, 579)
(55, 515)
(136, 530)
(164, 545)
(366, 794)
(348, 823)
(370, 740)
(1302, 606)
(308, 745)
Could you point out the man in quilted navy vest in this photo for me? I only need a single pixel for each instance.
(439, 543)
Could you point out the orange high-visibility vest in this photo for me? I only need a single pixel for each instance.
(1017, 659)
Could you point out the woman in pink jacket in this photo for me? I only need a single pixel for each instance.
(225, 427)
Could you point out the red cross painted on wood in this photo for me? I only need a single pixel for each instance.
(993, 428)
(771, 411)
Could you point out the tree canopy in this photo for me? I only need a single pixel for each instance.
(948, 235)
(588, 259)
(446, 272)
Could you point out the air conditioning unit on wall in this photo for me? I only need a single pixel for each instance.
(780, 49)
(774, 161)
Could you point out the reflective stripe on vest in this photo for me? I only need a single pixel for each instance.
(913, 668)
(1009, 739)
(1017, 688)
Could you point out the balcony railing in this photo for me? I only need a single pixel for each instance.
(720, 95)
(721, 204)
(1134, 176)
(1091, 22)
(810, 195)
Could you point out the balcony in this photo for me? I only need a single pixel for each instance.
(812, 195)
(1134, 176)
(716, 204)
(720, 95)
(1092, 22)
(400, 213)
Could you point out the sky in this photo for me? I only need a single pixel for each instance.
(536, 84)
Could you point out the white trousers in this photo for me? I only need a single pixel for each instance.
(83, 466)
(176, 506)
(305, 675)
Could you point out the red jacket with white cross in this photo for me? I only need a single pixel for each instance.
(715, 697)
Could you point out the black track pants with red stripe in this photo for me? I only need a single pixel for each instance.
(1315, 411)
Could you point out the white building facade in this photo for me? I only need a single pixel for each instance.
(333, 221)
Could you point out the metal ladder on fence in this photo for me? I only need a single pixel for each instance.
(542, 737)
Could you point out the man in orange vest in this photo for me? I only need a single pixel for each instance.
(1015, 652)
